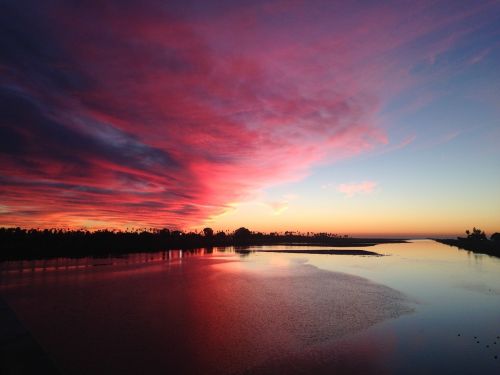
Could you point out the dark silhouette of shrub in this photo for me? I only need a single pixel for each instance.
(220, 235)
(242, 233)
(208, 232)
(476, 234)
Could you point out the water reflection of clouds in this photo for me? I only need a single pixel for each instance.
(220, 309)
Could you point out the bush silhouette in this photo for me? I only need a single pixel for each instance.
(208, 232)
(476, 234)
(242, 233)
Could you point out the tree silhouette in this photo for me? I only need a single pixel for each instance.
(476, 234)
(19, 243)
(220, 235)
(208, 232)
(242, 233)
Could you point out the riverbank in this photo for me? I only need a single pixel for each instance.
(476, 246)
(323, 252)
(19, 244)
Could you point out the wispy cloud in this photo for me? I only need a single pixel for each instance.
(280, 206)
(151, 113)
(480, 56)
(357, 188)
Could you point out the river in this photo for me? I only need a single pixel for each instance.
(422, 307)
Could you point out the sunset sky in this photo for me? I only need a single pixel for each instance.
(354, 117)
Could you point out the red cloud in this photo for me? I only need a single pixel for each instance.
(148, 115)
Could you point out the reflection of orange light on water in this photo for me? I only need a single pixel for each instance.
(279, 261)
(236, 267)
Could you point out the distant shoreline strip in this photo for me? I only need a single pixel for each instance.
(320, 252)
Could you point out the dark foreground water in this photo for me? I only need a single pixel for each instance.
(423, 308)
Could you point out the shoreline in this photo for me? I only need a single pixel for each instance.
(487, 247)
(18, 244)
(320, 252)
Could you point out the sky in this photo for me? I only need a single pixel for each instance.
(359, 117)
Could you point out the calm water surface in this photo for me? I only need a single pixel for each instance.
(423, 308)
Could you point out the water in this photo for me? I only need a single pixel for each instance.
(422, 308)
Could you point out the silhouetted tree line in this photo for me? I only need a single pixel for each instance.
(477, 241)
(475, 235)
(18, 243)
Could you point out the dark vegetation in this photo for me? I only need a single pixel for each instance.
(477, 242)
(18, 243)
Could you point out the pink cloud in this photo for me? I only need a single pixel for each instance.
(278, 207)
(149, 115)
(352, 189)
